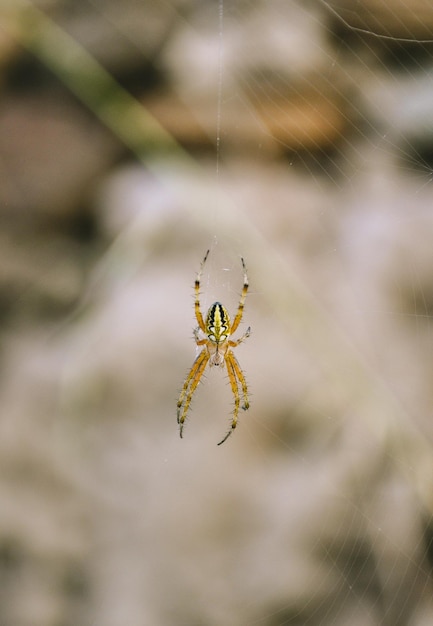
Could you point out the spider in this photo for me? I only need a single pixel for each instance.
(217, 350)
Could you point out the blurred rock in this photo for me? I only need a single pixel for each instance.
(51, 154)
(41, 278)
(276, 66)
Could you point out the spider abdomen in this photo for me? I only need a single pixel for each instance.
(217, 323)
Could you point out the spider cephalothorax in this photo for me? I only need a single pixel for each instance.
(217, 350)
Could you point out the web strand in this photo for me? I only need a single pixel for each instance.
(220, 84)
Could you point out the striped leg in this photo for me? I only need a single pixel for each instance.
(235, 389)
(191, 383)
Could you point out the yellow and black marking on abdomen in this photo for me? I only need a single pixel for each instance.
(217, 323)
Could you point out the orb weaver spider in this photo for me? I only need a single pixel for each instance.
(217, 350)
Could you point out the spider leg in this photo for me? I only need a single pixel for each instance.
(240, 310)
(191, 383)
(199, 342)
(239, 373)
(237, 368)
(235, 343)
(235, 389)
(198, 313)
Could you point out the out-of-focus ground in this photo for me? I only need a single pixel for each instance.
(318, 510)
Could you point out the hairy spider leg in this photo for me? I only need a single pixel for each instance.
(235, 390)
(240, 375)
(237, 367)
(241, 305)
(198, 313)
(194, 377)
(235, 343)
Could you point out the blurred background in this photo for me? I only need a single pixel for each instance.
(134, 136)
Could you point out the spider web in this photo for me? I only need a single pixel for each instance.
(311, 125)
(337, 547)
(369, 575)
